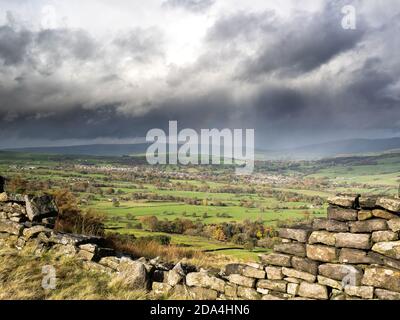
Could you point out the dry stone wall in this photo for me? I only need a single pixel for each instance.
(354, 253)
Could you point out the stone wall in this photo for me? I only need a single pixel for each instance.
(352, 254)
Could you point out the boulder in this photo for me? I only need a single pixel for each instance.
(382, 277)
(382, 236)
(322, 253)
(203, 280)
(346, 273)
(248, 293)
(389, 249)
(313, 291)
(343, 201)
(274, 273)
(368, 226)
(382, 294)
(274, 285)
(305, 265)
(363, 292)
(300, 235)
(364, 215)
(394, 224)
(298, 274)
(276, 259)
(233, 268)
(67, 250)
(11, 227)
(341, 214)
(322, 237)
(350, 240)
(271, 297)
(85, 255)
(295, 248)
(39, 207)
(133, 274)
(389, 204)
(241, 280)
(383, 214)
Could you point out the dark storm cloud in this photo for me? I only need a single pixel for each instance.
(196, 6)
(300, 78)
(13, 45)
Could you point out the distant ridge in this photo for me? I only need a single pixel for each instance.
(314, 151)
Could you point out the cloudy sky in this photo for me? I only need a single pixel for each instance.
(89, 71)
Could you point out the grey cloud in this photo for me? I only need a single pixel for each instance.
(13, 45)
(196, 6)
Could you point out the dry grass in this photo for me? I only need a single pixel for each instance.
(21, 278)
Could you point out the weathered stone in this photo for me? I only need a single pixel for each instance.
(394, 224)
(341, 214)
(254, 265)
(73, 239)
(29, 233)
(297, 249)
(292, 280)
(173, 278)
(350, 240)
(300, 235)
(389, 204)
(231, 290)
(20, 243)
(274, 273)
(276, 259)
(364, 215)
(85, 255)
(274, 285)
(322, 253)
(313, 291)
(241, 280)
(368, 226)
(93, 266)
(322, 237)
(382, 236)
(389, 249)
(367, 202)
(253, 272)
(133, 273)
(161, 288)
(203, 280)
(360, 291)
(341, 272)
(67, 250)
(263, 291)
(11, 227)
(40, 206)
(233, 268)
(197, 293)
(381, 277)
(383, 214)
(355, 256)
(330, 282)
(89, 247)
(382, 294)
(271, 297)
(248, 293)
(111, 262)
(3, 196)
(330, 225)
(306, 265)
(293, 289)
(298, 274)
(342, 201)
